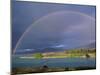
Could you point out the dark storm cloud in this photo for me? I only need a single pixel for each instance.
(26, 13)
(60, 29)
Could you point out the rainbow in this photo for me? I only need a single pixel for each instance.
(44, 17)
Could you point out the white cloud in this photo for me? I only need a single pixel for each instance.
(59, 46)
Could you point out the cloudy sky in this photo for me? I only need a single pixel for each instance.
(43, 25)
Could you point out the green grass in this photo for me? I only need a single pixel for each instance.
(74, 53)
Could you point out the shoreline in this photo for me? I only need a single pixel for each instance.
(54, 57)
(45, 69)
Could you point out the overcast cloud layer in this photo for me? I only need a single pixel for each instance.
(52, 25)
(62, 29)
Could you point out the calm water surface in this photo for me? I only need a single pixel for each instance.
(54, 62)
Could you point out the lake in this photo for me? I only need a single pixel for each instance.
(54, 62)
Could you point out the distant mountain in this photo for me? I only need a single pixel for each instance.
(53, 49)
(31, 51)
(91, 45)
(42, 50)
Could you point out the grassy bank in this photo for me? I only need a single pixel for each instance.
(74, 53)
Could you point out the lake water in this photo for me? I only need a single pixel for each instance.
(54, 62)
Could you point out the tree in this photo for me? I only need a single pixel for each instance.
(38, 55)
(87, 56)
